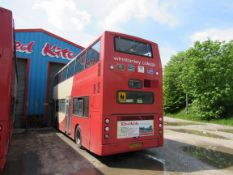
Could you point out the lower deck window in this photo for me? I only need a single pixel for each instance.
(61, 105)
(135, 97)
(81, 106)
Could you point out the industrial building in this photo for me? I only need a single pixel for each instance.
(40, 54)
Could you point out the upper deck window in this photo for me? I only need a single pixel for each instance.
(79, 63)
(70, 72)
(132, 47)
(93, 55)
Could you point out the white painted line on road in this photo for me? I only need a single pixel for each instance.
(161, 161)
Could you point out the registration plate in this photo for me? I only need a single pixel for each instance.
(136, 145)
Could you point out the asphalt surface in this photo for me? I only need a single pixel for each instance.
(190, 148)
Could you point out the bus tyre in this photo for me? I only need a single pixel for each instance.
(78, 139)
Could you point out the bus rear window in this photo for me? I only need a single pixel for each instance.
(132, 47)
(135, 97)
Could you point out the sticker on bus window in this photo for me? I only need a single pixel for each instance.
(139, 100)
(131, 68)
(141, 69)
(150, 71)
(122, 97)
(120, 67)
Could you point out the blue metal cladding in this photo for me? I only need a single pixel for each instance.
(38, 69)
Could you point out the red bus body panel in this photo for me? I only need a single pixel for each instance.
(101, 84)
(7, 82)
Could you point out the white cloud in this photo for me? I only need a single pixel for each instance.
(64, 14)
(82, 21)
(123, 11)
(161, 12)
(81, 38)
(220, 34)
(166, 52)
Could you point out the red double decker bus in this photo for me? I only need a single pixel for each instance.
(109, 98)
(7, 82)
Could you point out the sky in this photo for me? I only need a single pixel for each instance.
(173, 24)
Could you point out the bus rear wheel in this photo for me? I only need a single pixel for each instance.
(78, 139)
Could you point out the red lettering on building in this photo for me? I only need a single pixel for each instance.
(24, 48)
(55, 51)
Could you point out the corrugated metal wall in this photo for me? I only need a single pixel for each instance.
(38, 69)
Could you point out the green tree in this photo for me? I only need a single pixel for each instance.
(204, 73)
(174, 97)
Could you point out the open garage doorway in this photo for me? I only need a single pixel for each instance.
(53, 68)
(21, 107)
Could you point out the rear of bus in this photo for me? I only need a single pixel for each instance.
(132, 95)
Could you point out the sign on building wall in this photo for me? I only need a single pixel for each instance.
(50, 50)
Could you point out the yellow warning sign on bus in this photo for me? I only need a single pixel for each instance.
(122, 97)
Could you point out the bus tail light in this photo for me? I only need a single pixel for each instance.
(106, 136)
(111, 67)
(160, 125)
(106, 128)
(107, 121)
(0, 128)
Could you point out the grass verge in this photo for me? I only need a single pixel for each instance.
(193, 117)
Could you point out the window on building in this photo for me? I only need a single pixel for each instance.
(81, 106)
(93, 55)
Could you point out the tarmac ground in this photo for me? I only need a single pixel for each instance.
(189, 148)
